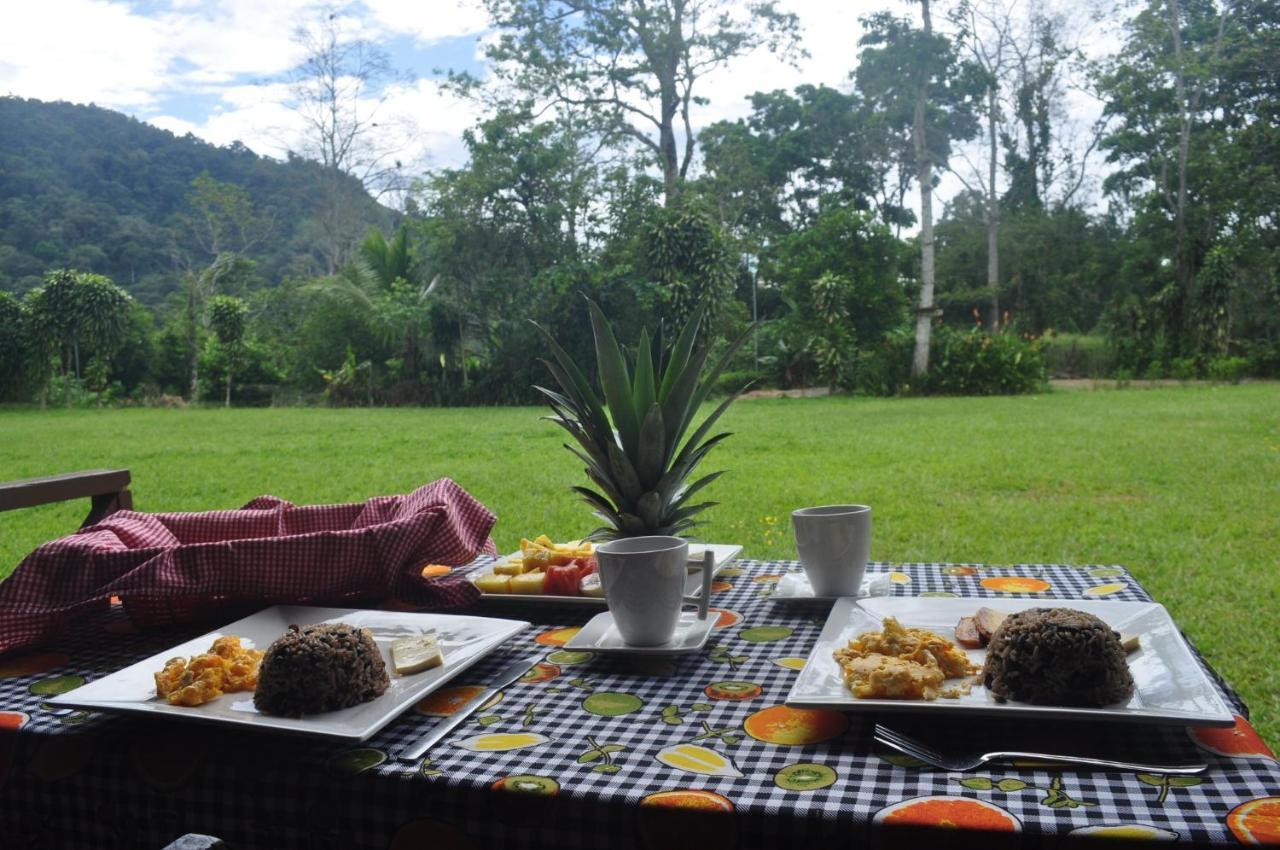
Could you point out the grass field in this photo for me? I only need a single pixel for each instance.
(1182, 485)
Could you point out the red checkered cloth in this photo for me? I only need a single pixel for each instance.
(180, 567)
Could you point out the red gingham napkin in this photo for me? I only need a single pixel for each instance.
(178, 567)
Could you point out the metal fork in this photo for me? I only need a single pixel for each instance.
(916, 749)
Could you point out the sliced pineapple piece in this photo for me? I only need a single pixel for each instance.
(493, 583)
(513, 567)
(530, 583)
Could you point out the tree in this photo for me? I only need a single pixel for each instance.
(631, 66)
(228, 274)
(339, 91)
(1163, 89)
(224, 218)
(227, 318)
(75, 313)
(385, 287)
(914, 79)
(14, 347)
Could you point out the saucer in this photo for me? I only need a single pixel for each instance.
(601, 635)
(795, 588)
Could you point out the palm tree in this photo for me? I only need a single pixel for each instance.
(384, 285)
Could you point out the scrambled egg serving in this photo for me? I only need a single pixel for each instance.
(226, 667)
(901, 663)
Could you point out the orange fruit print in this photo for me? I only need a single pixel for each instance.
(724, 618)
(1239, 741)
(707, 801)
(1015, 584)
(445, 702)
(1256, 822)
(556, 637)
(951, 813)
(795, 727)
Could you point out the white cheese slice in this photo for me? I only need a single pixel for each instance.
(415, 654)
(591, 586)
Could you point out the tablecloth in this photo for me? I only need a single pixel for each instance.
(587, 751)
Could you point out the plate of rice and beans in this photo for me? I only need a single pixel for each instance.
(995, 657)
(341, 673)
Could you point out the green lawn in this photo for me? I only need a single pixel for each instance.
(1182, 485)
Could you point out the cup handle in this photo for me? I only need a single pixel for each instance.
(708, 568)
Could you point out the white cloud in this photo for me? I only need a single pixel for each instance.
(83, 51)
(431, 21)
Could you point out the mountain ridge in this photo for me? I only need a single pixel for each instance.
(86, 187)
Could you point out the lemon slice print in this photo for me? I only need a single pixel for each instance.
(498, 742)
(697, 759)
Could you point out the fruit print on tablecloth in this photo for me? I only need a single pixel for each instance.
(541, 672)
(1122, 831)
(1102, 590)
(805, 776)
(687, 817)
(501, 742)
(724, 618)
(949, 812)
(611, 703)
(447, 701)
(766, 634)
(696, 758)
(557, 637)
(1015, 584)
(1167, 783)
(527, 783)
(1256, 822)
(733, 690)
(795, 727)
(791, 662)
(569, 657)
(1240, 741)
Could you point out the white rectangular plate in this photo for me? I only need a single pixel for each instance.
(463, 640)
(724, 554)
(1171, 687)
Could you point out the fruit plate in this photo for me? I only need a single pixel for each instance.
(463, 640)
(724, 554)
(1171, 686)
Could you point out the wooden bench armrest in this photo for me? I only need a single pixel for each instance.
(107, 488)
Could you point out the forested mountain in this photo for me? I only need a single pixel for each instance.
(88, 188)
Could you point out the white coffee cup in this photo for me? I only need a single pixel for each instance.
(644, 580)
(834, 542)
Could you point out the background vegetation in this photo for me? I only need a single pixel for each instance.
(1070, 477)
(586, 176)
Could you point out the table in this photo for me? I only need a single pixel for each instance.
(584, 737)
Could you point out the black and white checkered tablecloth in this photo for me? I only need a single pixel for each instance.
(596, 752)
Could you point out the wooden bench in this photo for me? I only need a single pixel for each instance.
(107, 490)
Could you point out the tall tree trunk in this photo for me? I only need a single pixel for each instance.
(993, 214)
(924, 175)
(66, 379)
(227, 400)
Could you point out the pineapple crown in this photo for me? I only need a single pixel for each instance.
(633, 440)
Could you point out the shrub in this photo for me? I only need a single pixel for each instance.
(1227, 370)
(1184, 368)
(1077, 356)
(971, 362)
(731, 381)
(977, 363)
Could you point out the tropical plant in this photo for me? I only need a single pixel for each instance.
(633, 441)
(227, 317)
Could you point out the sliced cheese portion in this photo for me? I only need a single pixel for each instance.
(415, 654)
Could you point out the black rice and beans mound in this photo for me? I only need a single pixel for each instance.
(1057, 656)
(310, 669)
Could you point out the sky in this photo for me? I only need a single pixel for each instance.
(216, 68)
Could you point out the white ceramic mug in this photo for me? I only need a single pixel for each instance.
(834, 542)
(644, 580)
